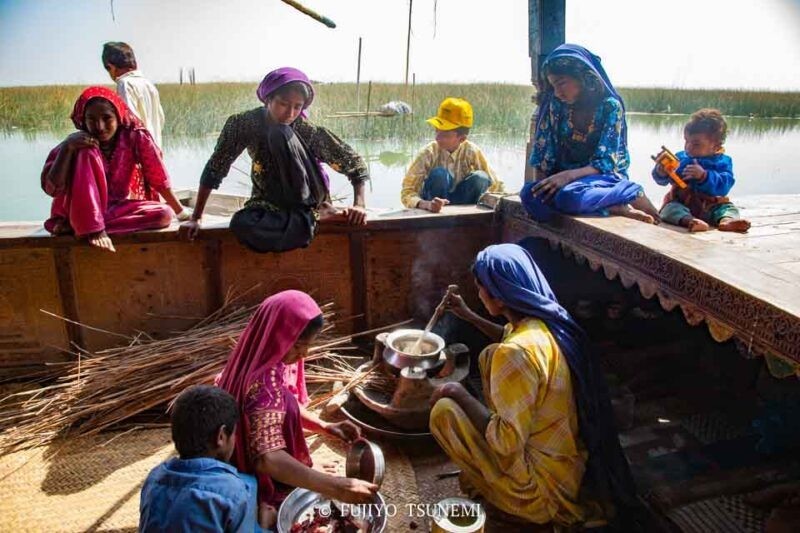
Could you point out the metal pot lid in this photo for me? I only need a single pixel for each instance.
(365, 461)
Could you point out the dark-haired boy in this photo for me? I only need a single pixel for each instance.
(708, 172)
(451, 169)
(200, 491)
(138, 92)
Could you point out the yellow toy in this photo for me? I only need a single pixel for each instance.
(669, 164)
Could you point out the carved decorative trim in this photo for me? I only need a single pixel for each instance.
(760, 327)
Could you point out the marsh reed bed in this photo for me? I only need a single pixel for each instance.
(500, 109)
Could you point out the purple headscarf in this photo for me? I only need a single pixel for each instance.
(280, 77)
(276, 79)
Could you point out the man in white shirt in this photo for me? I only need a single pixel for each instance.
(138, 92)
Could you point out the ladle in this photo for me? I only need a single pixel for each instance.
(415, 349)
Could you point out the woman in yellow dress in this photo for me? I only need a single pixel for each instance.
(547, 423)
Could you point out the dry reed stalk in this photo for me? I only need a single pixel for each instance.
(111, 386)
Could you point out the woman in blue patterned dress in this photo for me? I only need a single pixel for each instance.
(580, 148)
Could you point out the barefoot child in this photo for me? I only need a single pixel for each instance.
(451, 169)
(200, 490)
(580, 147)
(290, 191)
(107, 177)
(708, 172)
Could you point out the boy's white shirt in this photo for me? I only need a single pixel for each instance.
(464, 160)
(142, 98)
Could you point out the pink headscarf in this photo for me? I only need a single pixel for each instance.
(271, 332)
(126, 118)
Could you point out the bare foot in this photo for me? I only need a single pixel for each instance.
(739, 225)
(643, 204)
(695, 225)
(267, 516)
(628, 212)
(101, 240)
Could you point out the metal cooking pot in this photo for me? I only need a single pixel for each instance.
(399, 341)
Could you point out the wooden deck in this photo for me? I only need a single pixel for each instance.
(745, 286)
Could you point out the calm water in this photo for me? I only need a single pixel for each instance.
(765, 154)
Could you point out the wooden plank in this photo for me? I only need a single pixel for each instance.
(155, 288)
(66, 290)
(322, 270)
(408, 272)
(28, 284)
(546, 30)
(793, 266)
(358, 260)
(32, 235)
(212, 265)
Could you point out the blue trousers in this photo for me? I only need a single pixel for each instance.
(591, 195)
(439, 183)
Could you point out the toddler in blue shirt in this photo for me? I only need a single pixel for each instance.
(708, 172)
(200, 491)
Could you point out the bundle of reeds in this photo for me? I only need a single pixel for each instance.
(106, 388)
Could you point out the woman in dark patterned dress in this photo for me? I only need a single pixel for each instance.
(290, 193)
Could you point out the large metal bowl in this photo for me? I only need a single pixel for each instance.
(397, 342)
(300, 503)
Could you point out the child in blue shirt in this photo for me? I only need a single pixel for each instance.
(708, 172)
(200, 491)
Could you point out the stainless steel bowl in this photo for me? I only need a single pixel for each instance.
(397, 343)
(300, 503)
(365, 461)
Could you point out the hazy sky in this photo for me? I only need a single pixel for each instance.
(709, 43)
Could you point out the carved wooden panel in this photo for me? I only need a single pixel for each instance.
(155, 288)
(323, 270)
(28, 283)
(727, 306)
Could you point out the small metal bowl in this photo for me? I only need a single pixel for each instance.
(300, 503)
(470, 519)
(365, 461)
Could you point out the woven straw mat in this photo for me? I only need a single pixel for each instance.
(93, 483)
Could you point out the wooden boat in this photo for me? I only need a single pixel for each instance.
(693, 471)
(742, 287)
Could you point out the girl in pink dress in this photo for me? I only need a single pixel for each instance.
(265, 374)
(107, 177)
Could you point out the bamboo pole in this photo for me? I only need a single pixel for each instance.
(366, 117)
(408, 41)
(413, 88)
(358, 78)
(311, 13)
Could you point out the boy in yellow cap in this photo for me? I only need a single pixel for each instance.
(451, 169)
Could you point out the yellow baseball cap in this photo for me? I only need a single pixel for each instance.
(453, 113)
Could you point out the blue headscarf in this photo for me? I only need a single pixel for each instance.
(509, 273)
(586, 62)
